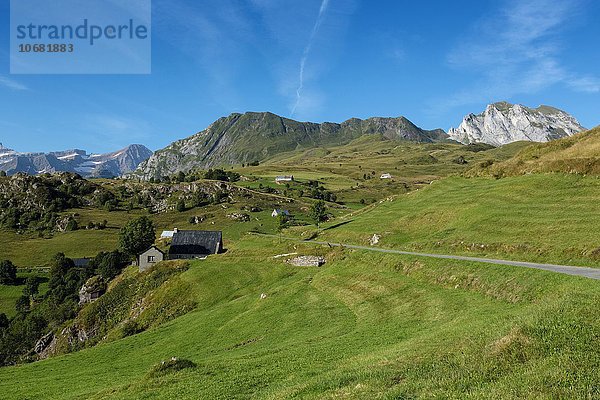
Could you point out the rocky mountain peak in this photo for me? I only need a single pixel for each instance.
(503, 123)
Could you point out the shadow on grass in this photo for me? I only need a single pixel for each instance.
(337, 225)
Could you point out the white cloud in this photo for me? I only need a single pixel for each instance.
(12, 84)
(517, 51)
(108, 131)
(588, 84)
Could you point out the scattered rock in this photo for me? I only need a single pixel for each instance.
(307, 261)
(239, 217)
(375, 239)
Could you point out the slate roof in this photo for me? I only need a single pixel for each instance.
(195, 242)
(81, 262)
(156, 248)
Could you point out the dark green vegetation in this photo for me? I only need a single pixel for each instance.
(8, 273)
(363, 326)
(137, 236)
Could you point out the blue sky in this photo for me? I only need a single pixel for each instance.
(315, 60)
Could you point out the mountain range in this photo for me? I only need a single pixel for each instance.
(255, 136)
(502, 123)
(77, 161)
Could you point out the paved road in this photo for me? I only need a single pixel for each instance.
(586, 272)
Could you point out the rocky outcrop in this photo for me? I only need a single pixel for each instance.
(91, 290)
(503, 123)
(45, 345)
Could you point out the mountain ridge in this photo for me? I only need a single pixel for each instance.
(78, 161)
(256, 136)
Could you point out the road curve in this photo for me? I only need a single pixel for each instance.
(586, 272)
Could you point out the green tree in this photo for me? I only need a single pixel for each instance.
(109, 264)
(60, 285)
(32, 286)
(4, 322)
(137, 236)
(8, 273)
(2, 173)
(180, 206)
(23, 304)
(318, 212)
(72, 225)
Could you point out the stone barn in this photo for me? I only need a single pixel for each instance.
(150, 257)
(195, 244)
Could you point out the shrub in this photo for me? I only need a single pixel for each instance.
(8, 273)
(171, 366)
(131, 328)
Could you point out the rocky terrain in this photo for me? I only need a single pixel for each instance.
(251, 137)
(77, 161)
(503, 123)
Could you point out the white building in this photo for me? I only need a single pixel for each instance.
(280, 180)
(277, 213)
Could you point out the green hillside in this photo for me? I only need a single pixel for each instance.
(363, 326)
(547, 218)
(257, 136)
(578, 154)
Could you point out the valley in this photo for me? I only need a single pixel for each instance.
(248, 324)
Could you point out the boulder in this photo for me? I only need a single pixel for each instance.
(307, 261)
(374, 239)
(91, 290)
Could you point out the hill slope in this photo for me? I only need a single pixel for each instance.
(244, 138)
(503, 123)
(397, 328)
(578, 154)
(539, 218)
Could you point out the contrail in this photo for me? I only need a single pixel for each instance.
(307, 50)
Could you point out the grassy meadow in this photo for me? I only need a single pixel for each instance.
(363, 326)
(543, 218)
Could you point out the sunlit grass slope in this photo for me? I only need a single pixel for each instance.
(363, 326)
(548, 218)
(578, 154)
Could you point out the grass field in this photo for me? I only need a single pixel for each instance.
(363, 326)
(26, 250)
(10, 294)
(342, 168)
(544, 218)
